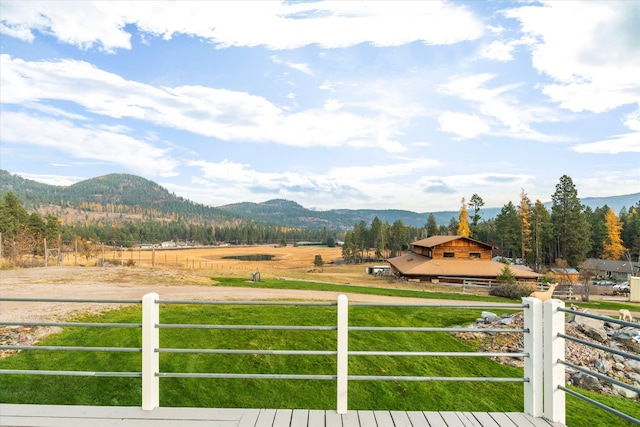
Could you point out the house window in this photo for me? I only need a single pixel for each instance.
(474, 255)
(449, 255)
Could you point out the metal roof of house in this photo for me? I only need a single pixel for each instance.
(432, 241)
(418, 265)
(608, 265)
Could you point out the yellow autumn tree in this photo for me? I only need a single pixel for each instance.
(463, 224)
(612, 244)
(524, 212)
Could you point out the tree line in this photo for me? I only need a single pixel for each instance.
(25, 235)
(527, 233)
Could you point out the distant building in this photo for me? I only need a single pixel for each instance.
(169, 244)
(563, 275)
(609, 269)
(454, 259)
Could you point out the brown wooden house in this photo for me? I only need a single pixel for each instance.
(454, 259)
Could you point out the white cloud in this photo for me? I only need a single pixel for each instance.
(86, 142)
(500, 104)
(590, 49)
(464, 125)
(332, 105)
(497, 51)
(626, 143)
(302, 67)
(276, 25)
(632, 120)
(217, 113)
(61, 180)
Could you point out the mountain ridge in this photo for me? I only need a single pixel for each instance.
(131, 193)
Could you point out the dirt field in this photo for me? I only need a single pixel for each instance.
(190, 280)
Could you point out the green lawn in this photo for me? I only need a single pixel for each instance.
(255, 393)
(315, 286)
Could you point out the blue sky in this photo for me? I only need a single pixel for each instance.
(333, 104)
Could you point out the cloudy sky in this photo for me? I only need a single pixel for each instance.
(333, 104)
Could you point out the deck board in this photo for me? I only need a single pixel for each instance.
(107, 416)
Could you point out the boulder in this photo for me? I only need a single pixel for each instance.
(602, 366)
(592, 328)
(625, 392)
(632, 365)
(627, 337)
(489, 317)
(587, 382)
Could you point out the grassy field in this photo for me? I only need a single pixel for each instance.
(253, 393)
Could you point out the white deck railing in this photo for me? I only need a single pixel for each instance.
(543, 354)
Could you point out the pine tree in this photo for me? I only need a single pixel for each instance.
(431, 226)
(475, 203)
(612, 244)
(570, 227)
(508, 230)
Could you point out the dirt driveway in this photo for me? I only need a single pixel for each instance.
(132, 283)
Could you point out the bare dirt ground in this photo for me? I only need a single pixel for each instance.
(130, 283)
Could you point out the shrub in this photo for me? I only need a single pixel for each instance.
(511, 291)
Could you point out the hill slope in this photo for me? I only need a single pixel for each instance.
(123, 193)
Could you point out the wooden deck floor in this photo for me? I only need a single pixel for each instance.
(103, 416)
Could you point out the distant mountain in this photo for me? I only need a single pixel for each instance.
(123, 193)
(115, 193)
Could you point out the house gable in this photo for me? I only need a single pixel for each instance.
(452, 247)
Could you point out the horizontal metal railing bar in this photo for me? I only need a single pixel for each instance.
(599, 317)
(75, 300)
(601, 405)
(256, 327)
(221, 302)
(600, 376)
(438, 305)
(69, 348)
(436, 354)
(441, 379)
(71, 373)
(601, 347)
(245, 376)
(78, 324)
(237, 351)
(431, 329)
(334, 352)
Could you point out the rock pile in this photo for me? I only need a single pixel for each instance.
(609, 334)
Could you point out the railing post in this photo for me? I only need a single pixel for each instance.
(343, 349)
(533, 363)
(150, 357)
(554, 398)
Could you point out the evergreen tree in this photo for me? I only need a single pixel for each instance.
(570, 226)
(631, 231)
(598, 229)
(542, 235)
(431, 226)
(476, 203)
(508, 230)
